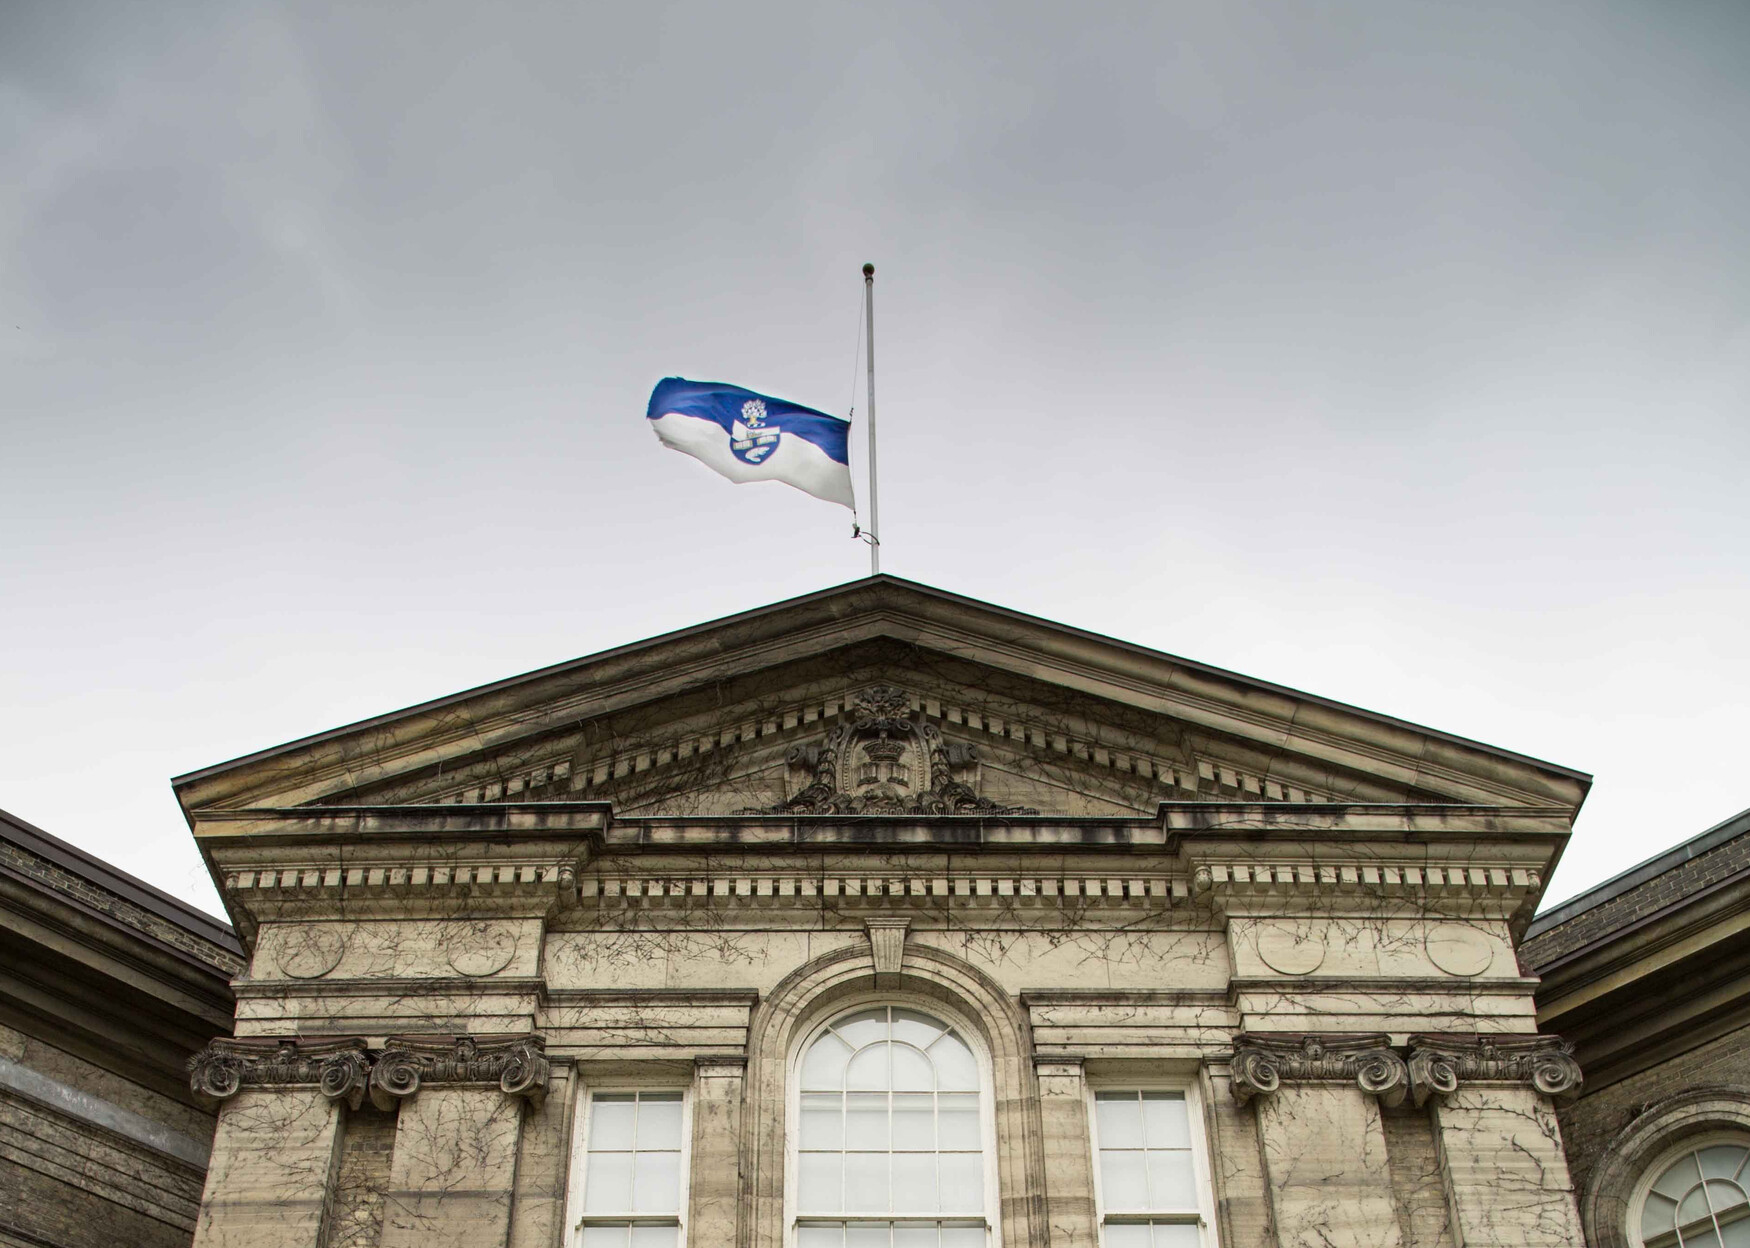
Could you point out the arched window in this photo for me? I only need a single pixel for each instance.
(890, 1136)
(1698, 1197)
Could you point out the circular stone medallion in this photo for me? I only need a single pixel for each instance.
(1290, 949)
(1459, 950)
(309, 952)
(478, 949)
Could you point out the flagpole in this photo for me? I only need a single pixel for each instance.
(874, 498)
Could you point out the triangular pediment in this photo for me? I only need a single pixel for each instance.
(976, 707)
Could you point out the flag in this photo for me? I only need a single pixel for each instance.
(754, 437)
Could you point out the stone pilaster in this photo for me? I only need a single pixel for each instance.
(1500, 1147)
(714, 1189)
(453, 1175)
(1069, 1175)
(1323, 1141)
(270, 1182)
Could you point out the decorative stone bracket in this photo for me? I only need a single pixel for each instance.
(1263, 1063)
(1438, 1064)
(345, 1069)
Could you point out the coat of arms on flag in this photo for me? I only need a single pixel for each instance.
(754, 437)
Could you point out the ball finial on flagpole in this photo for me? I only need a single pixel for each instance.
(868, 270)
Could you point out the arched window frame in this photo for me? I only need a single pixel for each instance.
(1663, 1161)
(919, 1003)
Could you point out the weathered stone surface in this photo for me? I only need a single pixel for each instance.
(1326, 1165)
(453, 1175)
(271, 1181)
(1506, 1177)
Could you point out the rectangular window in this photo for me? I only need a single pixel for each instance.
(634, 1171)
(1150, 1176)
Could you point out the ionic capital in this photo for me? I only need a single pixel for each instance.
(339, 1068)
(1439, 1064)
(1263, 1062)
(516, 1065)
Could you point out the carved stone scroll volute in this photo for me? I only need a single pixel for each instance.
(1263, 1063)
(1439, 1064)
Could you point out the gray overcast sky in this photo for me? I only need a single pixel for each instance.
(1395, 351)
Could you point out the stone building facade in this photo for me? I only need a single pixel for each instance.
(1649, 976)
(884, 917)
(107, 988)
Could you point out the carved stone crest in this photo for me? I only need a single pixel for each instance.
(1263, 1063)
(1439, 1064)
(883, 760)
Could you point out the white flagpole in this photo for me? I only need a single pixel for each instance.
(874, 498)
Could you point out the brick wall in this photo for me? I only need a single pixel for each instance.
(1589, 1123)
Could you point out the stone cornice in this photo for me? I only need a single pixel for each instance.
(1440, 1064)
(1263, 1062)
(344, 1069)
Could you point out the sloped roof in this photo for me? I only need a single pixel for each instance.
(892, 607)
(135, 895)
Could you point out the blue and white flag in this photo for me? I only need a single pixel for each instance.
(754, 437)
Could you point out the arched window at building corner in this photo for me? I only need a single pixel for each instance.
(1695, 1195)
(890, 1140)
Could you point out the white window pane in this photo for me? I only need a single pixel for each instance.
(1127, 1235)
(1736, 1234)
(924, 1236)
(1702, 1238)
(610, 1122)
(1123, 1182)
(957, 1120)
(656, 1183)
(659, 1121)
(1171, 1186)
(655, 1236)
(914, 1183)
(866, 1188)
(607, 1183)
(817, 1183)
(867, 1234)
(1177, 1235)
(823, 1120)
(1679, 1178)
(915, 1028)
(868, 1069)
(830, 1236)
(866, 1120)
(865, 1028)
(1693, 1208)
(1659, 1216)
(956, 1069)
(962, 1182)
(963, 1237)
(604, 1237)
(824, 1067)
(1165, 1123)
(912, 1071)
(914, 1121)
(1118, 1119)
(1721, 1161)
